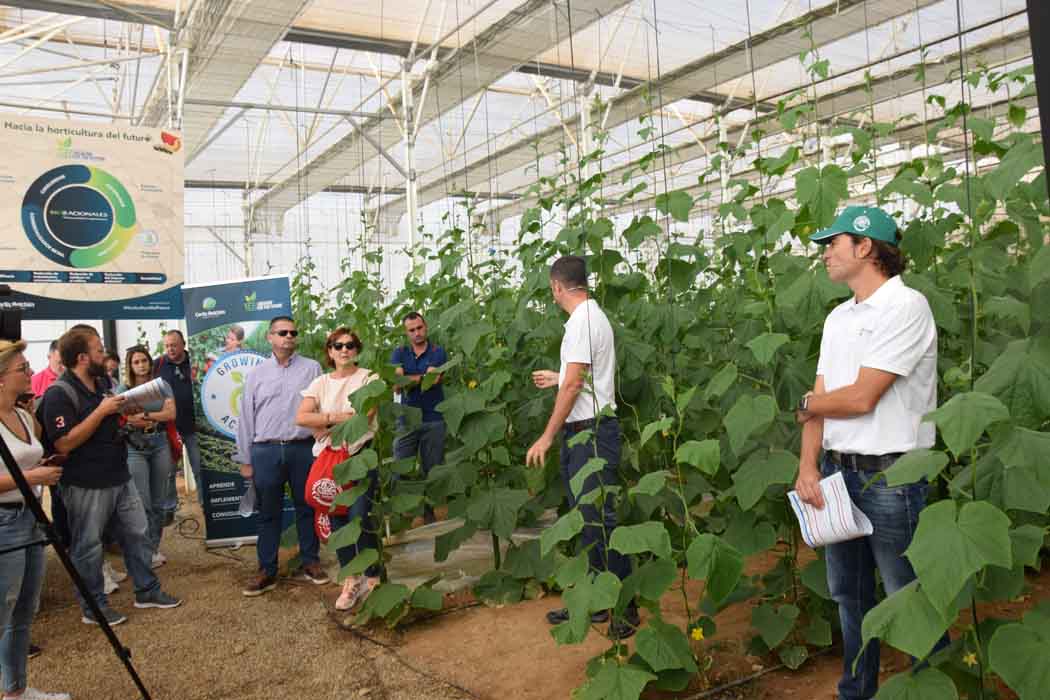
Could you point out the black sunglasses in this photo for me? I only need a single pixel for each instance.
(284, 331)
(340, 346)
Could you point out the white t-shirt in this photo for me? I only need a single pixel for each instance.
(892, 330)
(27, 455)
(588, 340)
(332, 396)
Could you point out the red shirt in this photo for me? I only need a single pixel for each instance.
(42, 380)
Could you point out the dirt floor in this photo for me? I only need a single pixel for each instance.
(289, 644)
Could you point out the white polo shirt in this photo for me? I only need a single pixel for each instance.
(892, 330)
(588, 340)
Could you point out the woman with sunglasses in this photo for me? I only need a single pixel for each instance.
(21, 570)
(149, 453)
(325, 405)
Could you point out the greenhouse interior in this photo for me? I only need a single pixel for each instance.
(676, 349)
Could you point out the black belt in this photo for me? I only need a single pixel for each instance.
(297, 441)
(585, 424)
(13, 506)
(876, 463)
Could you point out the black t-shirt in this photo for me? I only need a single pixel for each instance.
(102, 460)
(179, 377)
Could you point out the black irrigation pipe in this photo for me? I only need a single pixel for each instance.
(711, 692)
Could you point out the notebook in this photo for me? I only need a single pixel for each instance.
(838, 521)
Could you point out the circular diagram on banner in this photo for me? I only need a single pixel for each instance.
(79, 216)
(222, 387)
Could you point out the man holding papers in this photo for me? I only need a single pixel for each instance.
(876, 378)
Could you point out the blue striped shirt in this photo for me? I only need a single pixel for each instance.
(270, 401)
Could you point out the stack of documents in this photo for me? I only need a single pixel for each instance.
(839, 520)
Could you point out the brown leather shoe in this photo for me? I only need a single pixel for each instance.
(262, 583)
(315, 573)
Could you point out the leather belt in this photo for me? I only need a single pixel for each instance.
(297, 441)
(13, 506)
(870, 463)
(585, 424)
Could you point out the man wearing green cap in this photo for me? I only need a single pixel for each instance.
(876, 379)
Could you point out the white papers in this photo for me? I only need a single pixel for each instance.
(146, 397)
(838, 521)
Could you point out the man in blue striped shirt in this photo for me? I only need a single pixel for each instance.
(273, 450)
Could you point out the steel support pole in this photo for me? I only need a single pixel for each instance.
(1038, 30)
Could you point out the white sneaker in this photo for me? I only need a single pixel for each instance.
(114, 574)
(158, 560)
(108, 584)
(34, 694)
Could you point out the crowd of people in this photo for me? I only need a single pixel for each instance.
(876, 379)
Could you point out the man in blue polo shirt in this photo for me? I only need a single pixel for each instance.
(414, 360)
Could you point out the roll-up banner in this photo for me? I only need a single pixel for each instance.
(92, 214)
(227, 324)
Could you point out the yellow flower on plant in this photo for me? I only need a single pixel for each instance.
(472, 384)
(970, 659)
(697, 634)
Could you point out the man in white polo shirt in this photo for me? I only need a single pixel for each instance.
(876, 378)
(586, 388)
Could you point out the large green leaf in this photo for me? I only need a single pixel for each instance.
(970, 538)
(964, 418)
(664, 647)
(927, 684)
(762, 470)
(719, 383)
(915, 465)
(458, 406)
(677, 204)
(705, 455)
(497, 509)
(773, 624)
(651, 484)
(748, 415)
(592, 466)
(653, 428)
(766, 345)
(565, 528)
(639, 539)
(587, 596)
(1019, 653)
(1020, 378)
(482, 429)
(908, 621)
(615, 682)
(821, 191)
(717, 563)
(650, 580)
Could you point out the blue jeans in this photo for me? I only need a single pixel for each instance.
(368, 539)
(894, 514)
(428, 442)
(606, 443)
(191, 448)
(90, 510)
(274, 465)
(21, 577)
(151, 469)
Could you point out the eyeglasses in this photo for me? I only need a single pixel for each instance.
(21, 369)
(340, 346)
(284, 331)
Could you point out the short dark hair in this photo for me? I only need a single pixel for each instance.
(570, 270)
(73, 343)
(888, 258)
(111, 355)
(53, 346)
(176, 331)
(275, 319)
(412, 316)
(335, 335)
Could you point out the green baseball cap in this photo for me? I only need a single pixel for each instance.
(870, 222)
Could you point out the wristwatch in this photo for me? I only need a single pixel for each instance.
(803, 403)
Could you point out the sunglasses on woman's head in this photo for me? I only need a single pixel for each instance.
(284, 331)
(340, 346)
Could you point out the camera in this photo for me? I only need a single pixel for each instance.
(130, 437)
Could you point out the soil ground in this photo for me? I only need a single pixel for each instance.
(289, 643)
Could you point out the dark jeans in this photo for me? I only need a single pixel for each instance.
(151, 470)
(428, 442)
(606, 443)
(273, 466)
(894, 513)
(368, 539)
